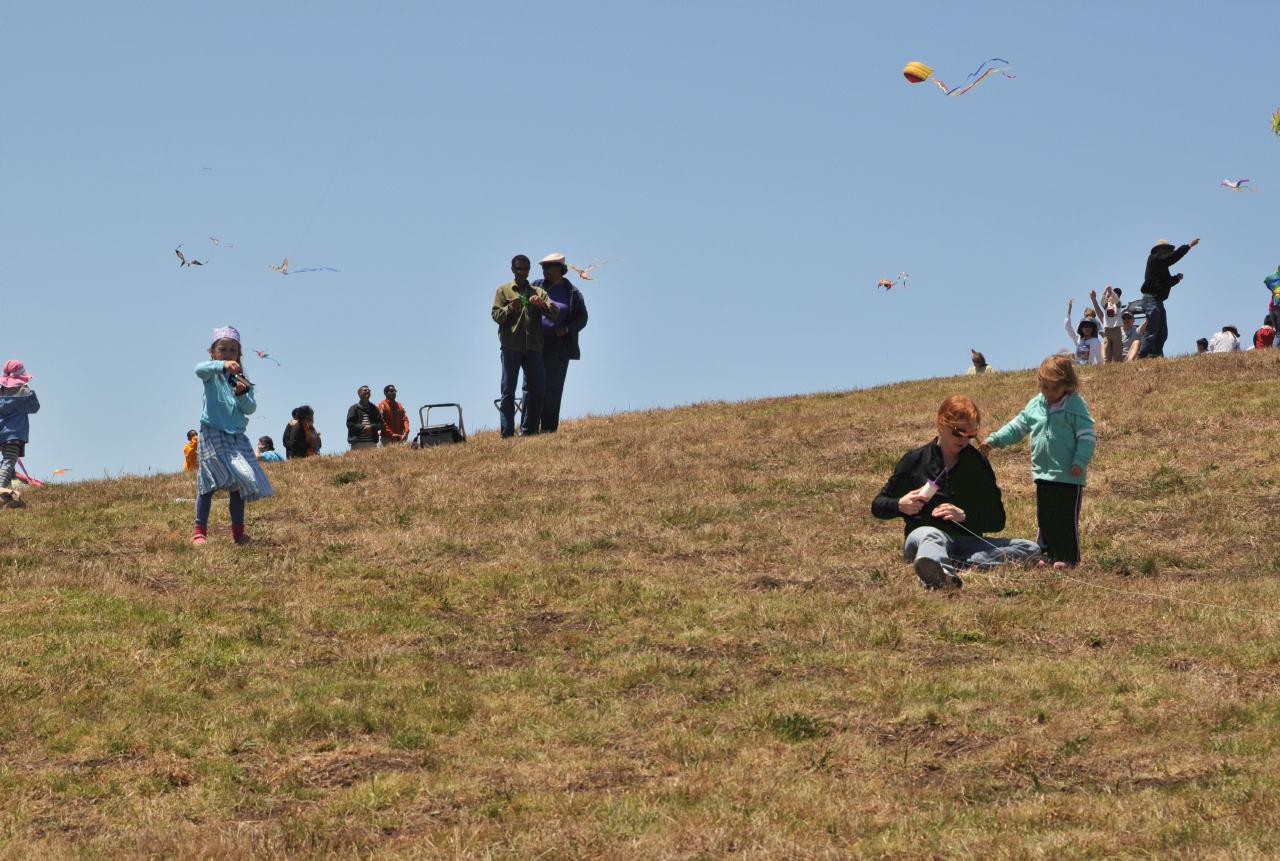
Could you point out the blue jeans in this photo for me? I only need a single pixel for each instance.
(513, 362)
(1157, 328)
(967, 552)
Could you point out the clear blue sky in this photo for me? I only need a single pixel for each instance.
(753, 167)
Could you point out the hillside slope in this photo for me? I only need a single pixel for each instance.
(664, 634)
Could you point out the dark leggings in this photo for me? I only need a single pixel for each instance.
(1058, 516)
(205, 501)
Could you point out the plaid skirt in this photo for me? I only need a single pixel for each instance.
(227, 462)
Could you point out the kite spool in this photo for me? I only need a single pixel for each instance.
(916, 71)
(927, 490)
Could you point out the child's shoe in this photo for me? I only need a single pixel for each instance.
(200, 535)
(14, 499)
(237, 534)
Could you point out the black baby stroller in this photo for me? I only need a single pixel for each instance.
(439, 434)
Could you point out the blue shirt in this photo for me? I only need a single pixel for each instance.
(224, 410)
(270, 456)
(560, 295)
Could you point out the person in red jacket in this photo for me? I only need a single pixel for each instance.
(1266, 334)
(395, 422)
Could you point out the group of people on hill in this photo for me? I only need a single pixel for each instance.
(368, 426)
(538, 325)
(947, 495)
(1107, 331)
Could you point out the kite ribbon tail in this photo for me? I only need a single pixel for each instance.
(980, 79)
(25, 476)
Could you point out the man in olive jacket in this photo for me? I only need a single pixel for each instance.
(518, 309)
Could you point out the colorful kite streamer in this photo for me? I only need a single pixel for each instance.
(263, 354)
(916, 72)
(1237, 184)
(889, 285)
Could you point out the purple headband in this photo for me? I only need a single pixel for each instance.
(226, 332)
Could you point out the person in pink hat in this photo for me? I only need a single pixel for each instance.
(226, 459)
(17, 403)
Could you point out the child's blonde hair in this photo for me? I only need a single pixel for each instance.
(1059, 369)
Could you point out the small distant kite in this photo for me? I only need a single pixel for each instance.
(582, 273)
(218, 242)
(61, 471)
(183, 261)
(1275, 123)
(263, 354)
(1237, 184)
(889, 285)
(283, 268)
(916, 72)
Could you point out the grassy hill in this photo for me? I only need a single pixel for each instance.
(672, 634)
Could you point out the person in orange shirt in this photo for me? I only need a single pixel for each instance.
(395, 422)
(191, 452)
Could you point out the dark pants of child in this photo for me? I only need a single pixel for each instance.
(11, 451)
(204, 502)
(1058, 518)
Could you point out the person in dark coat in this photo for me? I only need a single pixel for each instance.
(1156, 284)
(946, 494)
(300, 437)
(364, 422)
(559, 336)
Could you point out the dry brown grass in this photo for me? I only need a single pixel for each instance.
(673, 634)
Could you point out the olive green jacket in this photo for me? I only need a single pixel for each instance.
(520, 328)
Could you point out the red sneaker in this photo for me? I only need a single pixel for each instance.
(238, 536)
(199, 536)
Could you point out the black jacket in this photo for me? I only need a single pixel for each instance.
(1158, 281)
(574, 319)
(294, 440)
(970, 486)
(354, 425)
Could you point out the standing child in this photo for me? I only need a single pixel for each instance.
(227, 460)
(17, 403)
(1062, 443)
(1110, 314)
(1085, 337)
(191, 456)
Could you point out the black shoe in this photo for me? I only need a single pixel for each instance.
(932, 574)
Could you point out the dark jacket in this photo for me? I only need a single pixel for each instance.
(355, 425)
(294, 440)
(970, 486)
(573, 318)
(1158, 281)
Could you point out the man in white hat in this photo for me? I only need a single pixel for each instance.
(559, 336)
(1156, 284)
(519, 308)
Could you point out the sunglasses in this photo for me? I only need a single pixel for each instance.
(959, 433)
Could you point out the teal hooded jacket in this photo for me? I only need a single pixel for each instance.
(1061, 437)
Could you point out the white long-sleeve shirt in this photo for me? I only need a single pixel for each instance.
(1088, 350)
(1224, 342)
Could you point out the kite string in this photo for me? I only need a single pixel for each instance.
(1152, 595)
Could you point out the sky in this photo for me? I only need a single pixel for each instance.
(748, 169)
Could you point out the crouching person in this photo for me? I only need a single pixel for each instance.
(946, 493)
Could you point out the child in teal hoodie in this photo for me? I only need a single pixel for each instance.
(1062, 443)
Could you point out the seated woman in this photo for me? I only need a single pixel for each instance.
(947, 494)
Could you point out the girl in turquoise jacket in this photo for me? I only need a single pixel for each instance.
(1062, 443)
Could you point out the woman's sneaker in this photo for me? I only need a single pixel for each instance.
(932, 574)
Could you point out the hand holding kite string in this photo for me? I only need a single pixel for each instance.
(1237, 184)
(889, 285)
(262, 354)
(916, 72)
(182, 258)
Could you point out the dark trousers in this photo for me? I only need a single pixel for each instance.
(513, 362)
(1058, 517)
(1157, 328)
(557, 365)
